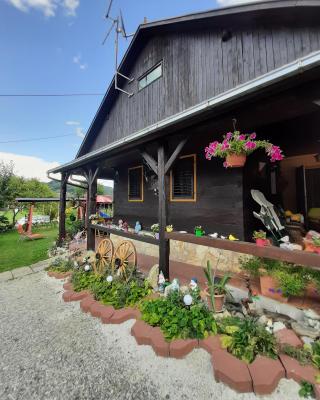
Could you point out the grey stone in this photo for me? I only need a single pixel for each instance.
(153, 276)
(302, 329)
(263, 320)
(6, 276)
(39, 266)
(278, 326)
(18, 272)
(306, 340)
(310, 314)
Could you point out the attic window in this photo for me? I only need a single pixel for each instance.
(150, 76)
(135, 183)
(183, 179)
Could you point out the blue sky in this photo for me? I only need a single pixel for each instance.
(54, 46)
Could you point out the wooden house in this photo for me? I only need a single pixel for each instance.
(192, 76)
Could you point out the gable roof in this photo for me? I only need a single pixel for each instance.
(252, 12)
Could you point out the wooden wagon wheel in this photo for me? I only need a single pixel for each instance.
(104, 256)
(124, 255)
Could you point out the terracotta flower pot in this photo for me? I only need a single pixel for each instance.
(236, 160)
(312, 292)
(218, 301)
(269, 288)
(262, 242)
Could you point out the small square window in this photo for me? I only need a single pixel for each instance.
(152, 75)
(183, 179)
(135, 183)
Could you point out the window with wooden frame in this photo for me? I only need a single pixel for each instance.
(183, 179)
(150, 76)
(135, 183)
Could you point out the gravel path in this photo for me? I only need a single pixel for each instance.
(51, 350)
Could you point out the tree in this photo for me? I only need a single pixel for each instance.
(100, 189)
(6, 172)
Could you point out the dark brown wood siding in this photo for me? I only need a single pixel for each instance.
(199, 65)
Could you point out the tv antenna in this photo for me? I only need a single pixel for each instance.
(117, 25)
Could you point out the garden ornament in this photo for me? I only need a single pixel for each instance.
(109, 278)
(120, 223)
(87, 267)
(193, 283)
(138, 227)
(187, 299)
(174, 286)
(161, 282)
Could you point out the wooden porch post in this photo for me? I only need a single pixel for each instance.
(62, 207)
(164, 247)
(91, 204)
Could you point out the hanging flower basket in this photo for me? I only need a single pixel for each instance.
(236, 146)
(236, 160)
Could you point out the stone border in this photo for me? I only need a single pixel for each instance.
(23, 271)
(262, 376)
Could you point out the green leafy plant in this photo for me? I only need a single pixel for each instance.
(60, 265)
(215, 288)
(245, 339)
(291, 284)
(307, 355)
(316, 241)
(176, 320)
(251, 265)
(306, 390)
(259, 235)
(83, 280)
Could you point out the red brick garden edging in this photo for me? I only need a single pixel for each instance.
(261, 377)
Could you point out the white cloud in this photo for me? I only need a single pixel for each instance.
(78, 60)
(47, 7)
(29, 166)
(226, 3)
(72, 123)
(80, 132)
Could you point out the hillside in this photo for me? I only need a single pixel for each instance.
(75, 192)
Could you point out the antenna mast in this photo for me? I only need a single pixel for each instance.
(117, 24)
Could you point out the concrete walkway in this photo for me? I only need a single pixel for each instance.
(23, 271)
(50, 350)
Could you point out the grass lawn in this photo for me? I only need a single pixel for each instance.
(15, 253)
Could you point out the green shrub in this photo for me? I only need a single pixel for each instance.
(178, 321)
(119, 293)
(307, 355)
(290, 283)
(245, 339)
(306, 390)
(83, 280)
(60, 265)
(251, 265)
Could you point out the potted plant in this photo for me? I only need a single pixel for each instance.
(236, 146)
(215, 292)
(199, 231)
(260, 238)
(155, 230)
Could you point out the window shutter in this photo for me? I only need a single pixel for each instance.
(183, 179)
(135, 181)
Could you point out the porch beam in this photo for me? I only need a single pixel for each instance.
(164, 248)
(91, 175)
(150, 161)
(62, 207)
(175, 154)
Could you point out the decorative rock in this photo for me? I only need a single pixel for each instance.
(298, 372)
(311, 314)
(106, 313)
(86, 303)
(124, 314)
(180, 348)
(142, 332)
(153, 276)
(210, 344)
(263, 320)
(266, 374)
(278, 326)
(307, 340)
(67, 296)
(231, 371)
(305, 330)
(287, 336)
(158, 343)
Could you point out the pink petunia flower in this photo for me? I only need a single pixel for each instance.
(242, 137)
(250, 145)
(253, 135)
(225, 145)
(229, 135)
(225, 164)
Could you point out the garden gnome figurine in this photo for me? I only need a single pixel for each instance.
(120, 223)
(138, 227)
(125, 226)
(161, 282)
(172, 288)
(193, 283)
